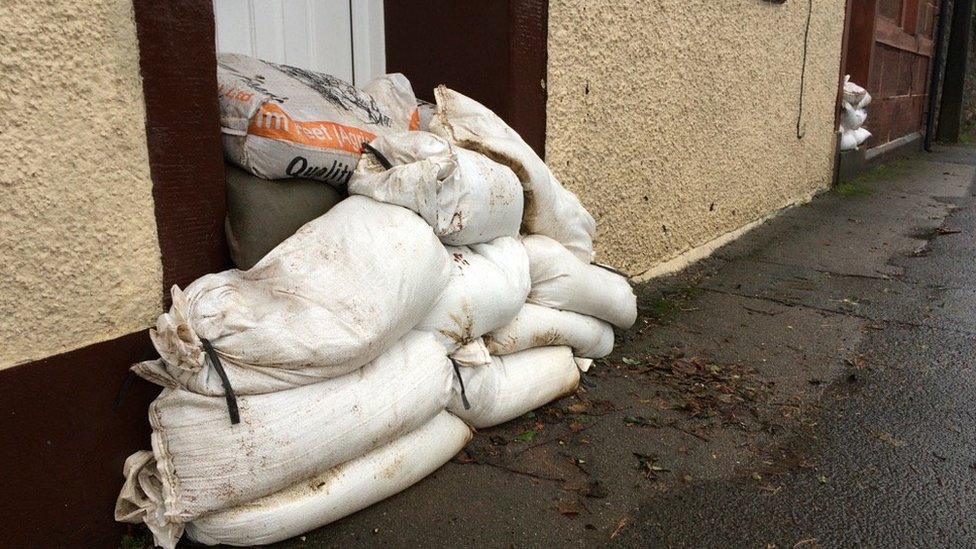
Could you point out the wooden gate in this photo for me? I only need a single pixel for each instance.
(889, 51)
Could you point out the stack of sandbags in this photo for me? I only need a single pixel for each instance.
(455, 282)
(305, 363)
(475, 207)
(852, 116)
(571, 303)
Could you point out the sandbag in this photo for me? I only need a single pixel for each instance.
(538, 326)
(262, 213)
(515, 384)
(279, 121)
(204, 463)
(854, 95)
(561, 281)
(852, 139)
(464, 196)
(851, 118)
(550, 209)
(324, 302)
(488, 286)
(474, 353)
(339, 491)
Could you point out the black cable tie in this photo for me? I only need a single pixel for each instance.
(235, 416)
(383, 160)
(611, 269)
(585, 379)
(129, 378)
(464, 397)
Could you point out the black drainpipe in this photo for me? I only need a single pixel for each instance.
(936, 73)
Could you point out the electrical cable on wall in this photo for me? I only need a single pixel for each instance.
(803, 71)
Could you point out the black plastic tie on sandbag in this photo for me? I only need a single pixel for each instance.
(235, 415)
(464, 397)
(380, 157)
(611, 269)
(585, 380)
(129, 378)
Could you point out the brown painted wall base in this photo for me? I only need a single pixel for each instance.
(495, 52)
(62, 444)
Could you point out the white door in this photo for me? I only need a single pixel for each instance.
(343, 38)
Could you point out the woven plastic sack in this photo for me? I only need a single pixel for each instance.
(538, 326)
(851, 118)
(550, 209)
(204, 463)
(561, 281)
(515, 384)
(464, 196)
(339, 491)
(324, 302)
(488, 286)
(279, 121)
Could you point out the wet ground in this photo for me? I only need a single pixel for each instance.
(810, 385)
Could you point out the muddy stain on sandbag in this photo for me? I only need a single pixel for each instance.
(548, 338)
(465, 327)
(393, 469)
(530, 208)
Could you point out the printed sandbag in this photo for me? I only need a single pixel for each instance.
(280, 121)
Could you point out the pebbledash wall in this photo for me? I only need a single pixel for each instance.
(675, 120)
(80, 260)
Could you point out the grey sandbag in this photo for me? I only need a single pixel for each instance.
(261, 213)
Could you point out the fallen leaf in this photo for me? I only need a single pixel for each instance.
(890, 439)
(642, 421)
(576, 426)
(620, 526)
(578, 408)
(630, 361)
(569, 509)
(527, 436)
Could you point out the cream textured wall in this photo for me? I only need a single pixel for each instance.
(79, 259)
(675, 120)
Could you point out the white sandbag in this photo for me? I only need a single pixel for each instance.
(279, 121)
(205, 463)
(538, 326)
(515, 384)
(561, 281)
(488, 286)
(852, 139)
(324, 302)
(851, 118)
(854, 95)
(339, 491)
(466, 197)
(848, 141)
(550, 209)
